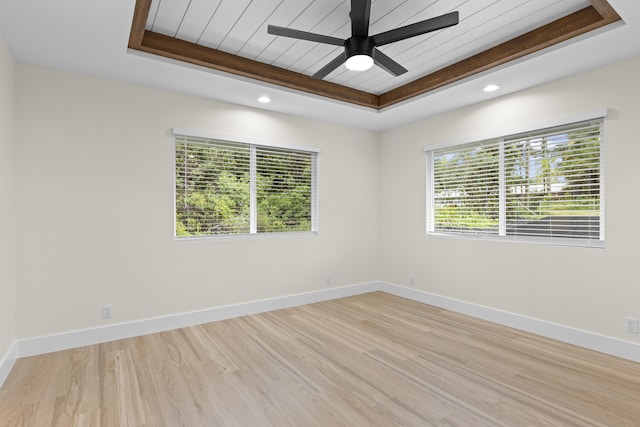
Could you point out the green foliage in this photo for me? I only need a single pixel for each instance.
(213, 193)
(181, 230)
(283, 193)
(460, 218)
(211, 189)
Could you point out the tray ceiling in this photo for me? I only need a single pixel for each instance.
(231, 36)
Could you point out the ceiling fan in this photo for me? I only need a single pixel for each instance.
(361, 50)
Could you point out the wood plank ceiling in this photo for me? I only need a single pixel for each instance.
(231, 36)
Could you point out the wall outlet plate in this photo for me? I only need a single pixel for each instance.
(632, 325)
(106, 311)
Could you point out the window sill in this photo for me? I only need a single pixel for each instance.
(585, 243)
(256, 236)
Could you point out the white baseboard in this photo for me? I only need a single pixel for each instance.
(7, 361)
(73, 339)
(601, 343)
(46, 344)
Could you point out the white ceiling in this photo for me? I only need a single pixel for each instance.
(91, 36)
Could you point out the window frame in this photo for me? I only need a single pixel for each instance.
(501, 138)
(252, 144)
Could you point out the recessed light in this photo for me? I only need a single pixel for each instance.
(491, 88)
(264, 99)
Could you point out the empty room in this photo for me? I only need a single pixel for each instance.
(319, 213)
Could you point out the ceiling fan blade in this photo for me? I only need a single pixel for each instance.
(327, 69)
(360, 14)
(416, 29)
(387, 64)
(304, 35)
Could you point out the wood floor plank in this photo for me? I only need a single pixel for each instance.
(367, 360)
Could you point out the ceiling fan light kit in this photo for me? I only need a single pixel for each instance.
(359, 62)
(361, 50)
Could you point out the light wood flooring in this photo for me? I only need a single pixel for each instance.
(368, 360)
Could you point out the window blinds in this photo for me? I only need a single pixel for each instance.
(284, 196)
(466, 189)
(553, 183)
(228, 188)
(543, 185)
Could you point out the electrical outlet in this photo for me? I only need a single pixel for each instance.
(412, 279)
(106, 311)
(327, 279)
(632, 325)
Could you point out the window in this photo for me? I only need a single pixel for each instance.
(232, 188)
(536, 186)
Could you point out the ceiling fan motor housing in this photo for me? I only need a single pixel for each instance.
(358, 45)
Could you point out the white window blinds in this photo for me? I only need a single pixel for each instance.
(285, 193)
(229, 188)
(466, 189)
(539, 186)
(553, 183)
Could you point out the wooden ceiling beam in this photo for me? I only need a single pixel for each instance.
(598, 14)
(192, 53)
(605, 10)
(563, 29)
(140, 15)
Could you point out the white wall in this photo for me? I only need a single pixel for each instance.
(7, 219)
(95, 191)
(585, 288)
